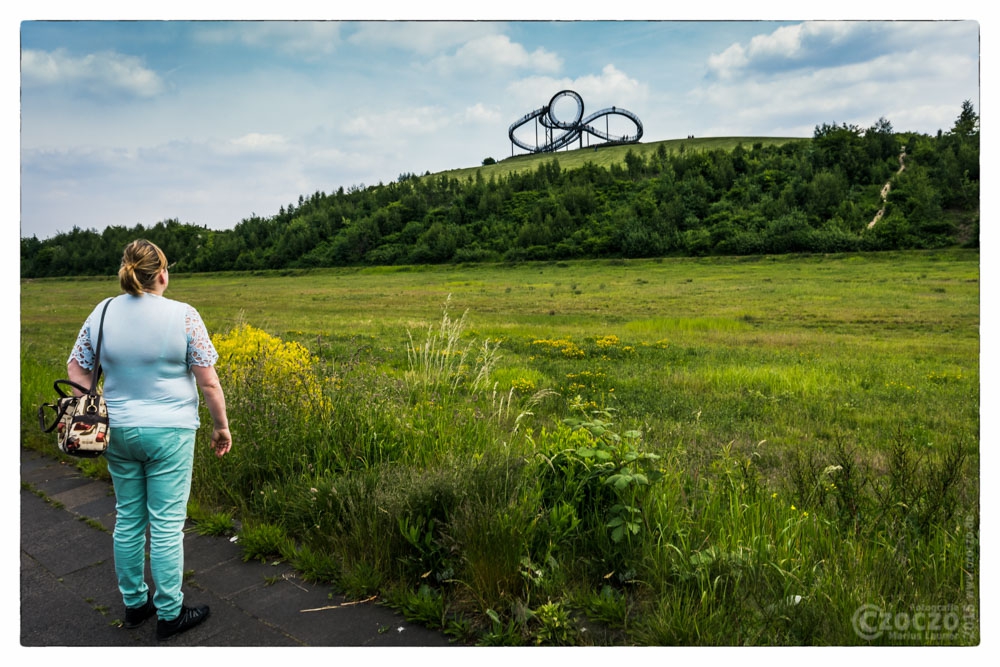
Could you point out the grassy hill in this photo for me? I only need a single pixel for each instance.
(605, 156)
(679, 197)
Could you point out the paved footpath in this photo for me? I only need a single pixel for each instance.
(69, 596)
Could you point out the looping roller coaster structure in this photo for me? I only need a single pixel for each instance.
(559, 133)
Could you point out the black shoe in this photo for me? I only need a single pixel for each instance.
(135, 616)
(188, 618)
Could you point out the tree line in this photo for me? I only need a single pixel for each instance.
(814, 195)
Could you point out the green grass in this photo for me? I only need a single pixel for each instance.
(605, 156)
(672, 448)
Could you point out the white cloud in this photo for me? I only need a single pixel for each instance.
(727, 63)
(326, 157)
(791, 41)
(255, 142)
(308, 39)
(211, 183)
(786, 43)
(497, 53)
(397, 122)
(611, 87)
(480, 113)
(611, 83)
(95, 73)
(915, 74)
(913, 92)
(821, 43)
(423, 38)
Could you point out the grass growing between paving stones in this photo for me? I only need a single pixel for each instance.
(44, 496)
(752, 451)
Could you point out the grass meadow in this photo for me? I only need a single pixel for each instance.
(715, 451)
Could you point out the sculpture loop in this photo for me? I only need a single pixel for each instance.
(562, 133)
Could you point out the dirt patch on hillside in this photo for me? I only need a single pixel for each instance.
(885, 191)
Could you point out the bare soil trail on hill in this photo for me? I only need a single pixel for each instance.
(885, 191)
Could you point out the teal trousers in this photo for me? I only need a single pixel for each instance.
(151, 471)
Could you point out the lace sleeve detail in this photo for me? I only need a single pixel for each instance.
(200, 351)
(83, 351)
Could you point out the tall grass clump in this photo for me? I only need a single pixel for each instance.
(443, 361)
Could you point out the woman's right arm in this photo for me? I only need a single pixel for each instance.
(215, 400)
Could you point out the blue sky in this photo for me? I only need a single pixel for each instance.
(209, 122)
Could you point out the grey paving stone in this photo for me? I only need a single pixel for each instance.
(69, 593)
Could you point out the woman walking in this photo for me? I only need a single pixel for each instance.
(156, 355)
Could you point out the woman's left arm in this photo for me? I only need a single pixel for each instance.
(78, 374)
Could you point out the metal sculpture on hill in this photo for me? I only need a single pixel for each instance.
(560, 133)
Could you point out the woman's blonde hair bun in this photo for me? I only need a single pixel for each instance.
(142, 262)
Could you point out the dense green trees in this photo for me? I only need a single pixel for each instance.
(815, 195)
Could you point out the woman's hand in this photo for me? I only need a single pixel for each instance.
(222, 441)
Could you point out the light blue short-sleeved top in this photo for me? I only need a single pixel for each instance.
(150, 344)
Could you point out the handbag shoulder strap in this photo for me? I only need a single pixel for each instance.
(97, 356)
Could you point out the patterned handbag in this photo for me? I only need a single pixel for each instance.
(81, 422)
